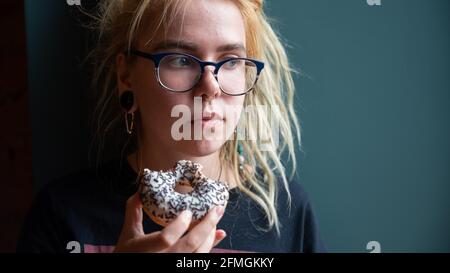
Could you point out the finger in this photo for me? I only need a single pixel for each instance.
(206, 246)
(200, 232)
(173, 232)
(133, 216)
(142, 244)
(161, 240)
(132, 225)
(220, 235)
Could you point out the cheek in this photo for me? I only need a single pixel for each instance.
(154, 103)
(233, 110)
(145, 85)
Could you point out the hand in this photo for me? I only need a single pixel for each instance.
(201, 238)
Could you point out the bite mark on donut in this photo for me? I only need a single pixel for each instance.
(164, 204)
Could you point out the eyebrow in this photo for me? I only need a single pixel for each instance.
(170, 44)
(174, 44)
(232, 47)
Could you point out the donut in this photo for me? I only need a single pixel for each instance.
(163, 203)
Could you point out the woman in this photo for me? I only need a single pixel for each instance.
(187, 75)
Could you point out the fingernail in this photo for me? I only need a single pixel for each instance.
(222, 233)
(219, 211)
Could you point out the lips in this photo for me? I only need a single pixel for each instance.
(210, 117)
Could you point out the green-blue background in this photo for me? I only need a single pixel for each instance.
(373, 101)
(375, 106)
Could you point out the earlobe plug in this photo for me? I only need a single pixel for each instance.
(127, 100)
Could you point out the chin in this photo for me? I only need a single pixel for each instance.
(200, 148)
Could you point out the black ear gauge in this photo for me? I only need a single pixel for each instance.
(127, 100)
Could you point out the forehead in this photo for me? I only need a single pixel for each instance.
(208, 24)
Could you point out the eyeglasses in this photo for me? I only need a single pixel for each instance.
(180, 72)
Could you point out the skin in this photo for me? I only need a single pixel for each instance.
(211, 38)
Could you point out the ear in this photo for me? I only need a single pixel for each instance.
(124, 82)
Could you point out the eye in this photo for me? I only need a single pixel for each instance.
(231, 64)
(180, 61)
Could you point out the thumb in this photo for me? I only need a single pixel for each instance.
(133, 216)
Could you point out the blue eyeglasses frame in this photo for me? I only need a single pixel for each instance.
(157, 57)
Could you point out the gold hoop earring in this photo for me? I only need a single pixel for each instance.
(129, 127)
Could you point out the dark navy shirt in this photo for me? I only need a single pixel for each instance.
(84, 212)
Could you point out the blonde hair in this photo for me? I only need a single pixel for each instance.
(118, 23)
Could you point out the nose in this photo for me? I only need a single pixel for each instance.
(207, 87)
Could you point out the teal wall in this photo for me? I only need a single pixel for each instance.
(375, 109)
